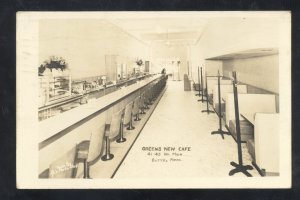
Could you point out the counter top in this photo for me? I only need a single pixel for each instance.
(58, 123)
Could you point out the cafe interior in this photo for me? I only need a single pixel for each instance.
(159, 95)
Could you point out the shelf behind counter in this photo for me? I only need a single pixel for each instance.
(61, 105)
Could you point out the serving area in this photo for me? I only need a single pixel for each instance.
(93, 88)
(61, 133)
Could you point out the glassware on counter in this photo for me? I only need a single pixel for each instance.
(84, 99)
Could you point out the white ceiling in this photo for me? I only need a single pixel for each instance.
(163, 30)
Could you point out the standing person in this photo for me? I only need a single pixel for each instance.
(164, 73)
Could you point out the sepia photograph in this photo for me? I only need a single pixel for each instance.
(177, 99)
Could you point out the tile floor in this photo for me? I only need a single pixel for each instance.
(178, 122)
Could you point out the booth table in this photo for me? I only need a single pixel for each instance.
(249, 117)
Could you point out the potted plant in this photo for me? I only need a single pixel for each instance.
(53, 63)
(139, 62)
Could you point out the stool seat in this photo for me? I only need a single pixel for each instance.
(88, 151)
(83, 149)
(111, 132)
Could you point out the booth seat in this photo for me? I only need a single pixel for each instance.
(211, 84)
(89, 151)
(196, 86)
(246, 129)
(242, 89)
(250, 104)
(266, 141)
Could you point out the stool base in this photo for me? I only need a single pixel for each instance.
(137, 119)
(86, 170)
(107, 157)
(87, 177)
(130, 127)
(121, 140)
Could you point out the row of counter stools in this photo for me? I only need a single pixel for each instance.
(88, 151)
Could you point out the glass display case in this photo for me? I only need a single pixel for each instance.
(58, 94)
(53, 88)
(59, 87)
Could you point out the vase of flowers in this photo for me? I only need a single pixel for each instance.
(139, 62)
(54, 63)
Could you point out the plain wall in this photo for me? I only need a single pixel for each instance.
(84, 44)
(230, 35)
(213, 66)
(228, 67)
(261, 72)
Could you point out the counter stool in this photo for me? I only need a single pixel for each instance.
(88, 151)
(150, 96)
(64, 166)
(111, 132)
(155, 92)
(126, 120)
(158, 89)
(136, 108)
(142, 103)
(128, 116)
(146, 99)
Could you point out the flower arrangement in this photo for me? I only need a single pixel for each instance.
(139, 62)
(53, 63)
